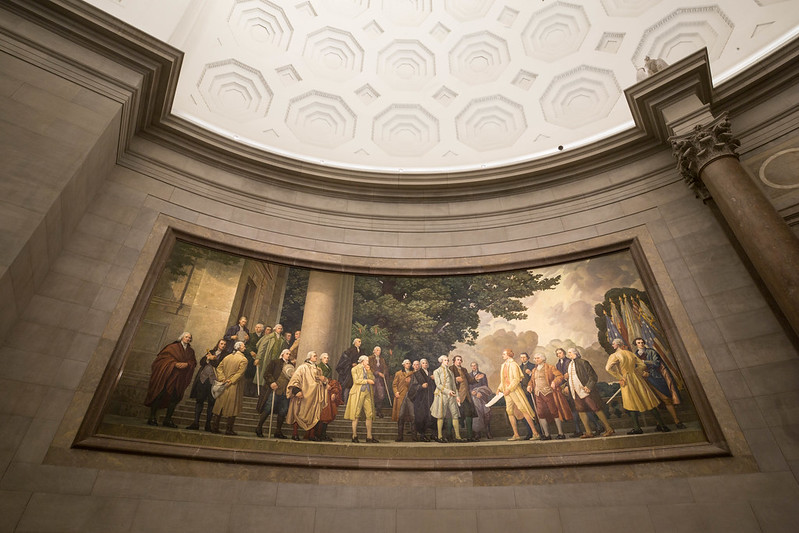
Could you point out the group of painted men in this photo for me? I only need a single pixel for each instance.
(538, 391)
(307, 397)
(417, 395)
(226, 373)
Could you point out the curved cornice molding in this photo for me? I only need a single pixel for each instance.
(157, 65)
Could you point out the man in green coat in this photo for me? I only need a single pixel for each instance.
(269, 349)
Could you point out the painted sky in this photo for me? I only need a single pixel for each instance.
(563, 313)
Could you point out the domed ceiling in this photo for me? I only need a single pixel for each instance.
(436, 85)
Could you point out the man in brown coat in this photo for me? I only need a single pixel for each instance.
(230, 372)
(403, 410)
(171, 374)
(273, 396)
(332, 397)
(550, 403)
(463, 379)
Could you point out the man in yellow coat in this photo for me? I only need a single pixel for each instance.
(306, 392)
(516, 404)
(228, 404)
(361, 398)
(636, 396)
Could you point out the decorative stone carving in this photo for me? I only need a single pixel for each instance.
(464, 10)
(610, 42)
(321, 119)
(555, 31)
(651, 66)
(684, 31)
(333, 54)
(779, 170)
(260, 22)
(440, 55)
(408, 13)
(580, 96)
(479, 58)
(627, 8)
(406, 65)
(235, 90)
(491, 122)
(700, 147)
(406, 130)
(347, 8)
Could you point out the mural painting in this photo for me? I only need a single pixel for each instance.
(558, 359)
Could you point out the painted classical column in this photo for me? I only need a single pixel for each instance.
(708, 161)
(327, 318)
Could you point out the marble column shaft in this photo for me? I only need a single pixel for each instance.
(327, 318)
(710, 165)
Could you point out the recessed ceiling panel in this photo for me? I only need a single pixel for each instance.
(435, 86)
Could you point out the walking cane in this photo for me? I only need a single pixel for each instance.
(537, 421)
(271, 412)
(388, 391)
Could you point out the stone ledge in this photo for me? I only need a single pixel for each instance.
(139, 438)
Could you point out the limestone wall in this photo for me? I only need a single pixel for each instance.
(64, 333)
(73, 132)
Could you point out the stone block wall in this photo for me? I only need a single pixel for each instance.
(73, 133)
(78, 247)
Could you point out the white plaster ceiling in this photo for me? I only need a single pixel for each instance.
(436, 85)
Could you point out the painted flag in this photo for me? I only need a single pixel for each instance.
(613, 331)
(633, 326)
(616, 315)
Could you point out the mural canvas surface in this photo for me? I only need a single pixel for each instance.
(557, 359)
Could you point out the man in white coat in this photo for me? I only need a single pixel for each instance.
(445, 399)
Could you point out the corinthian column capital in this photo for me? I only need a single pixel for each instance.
(700, 147)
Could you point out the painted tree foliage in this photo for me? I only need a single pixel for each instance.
(294, 298)
(425, 317)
